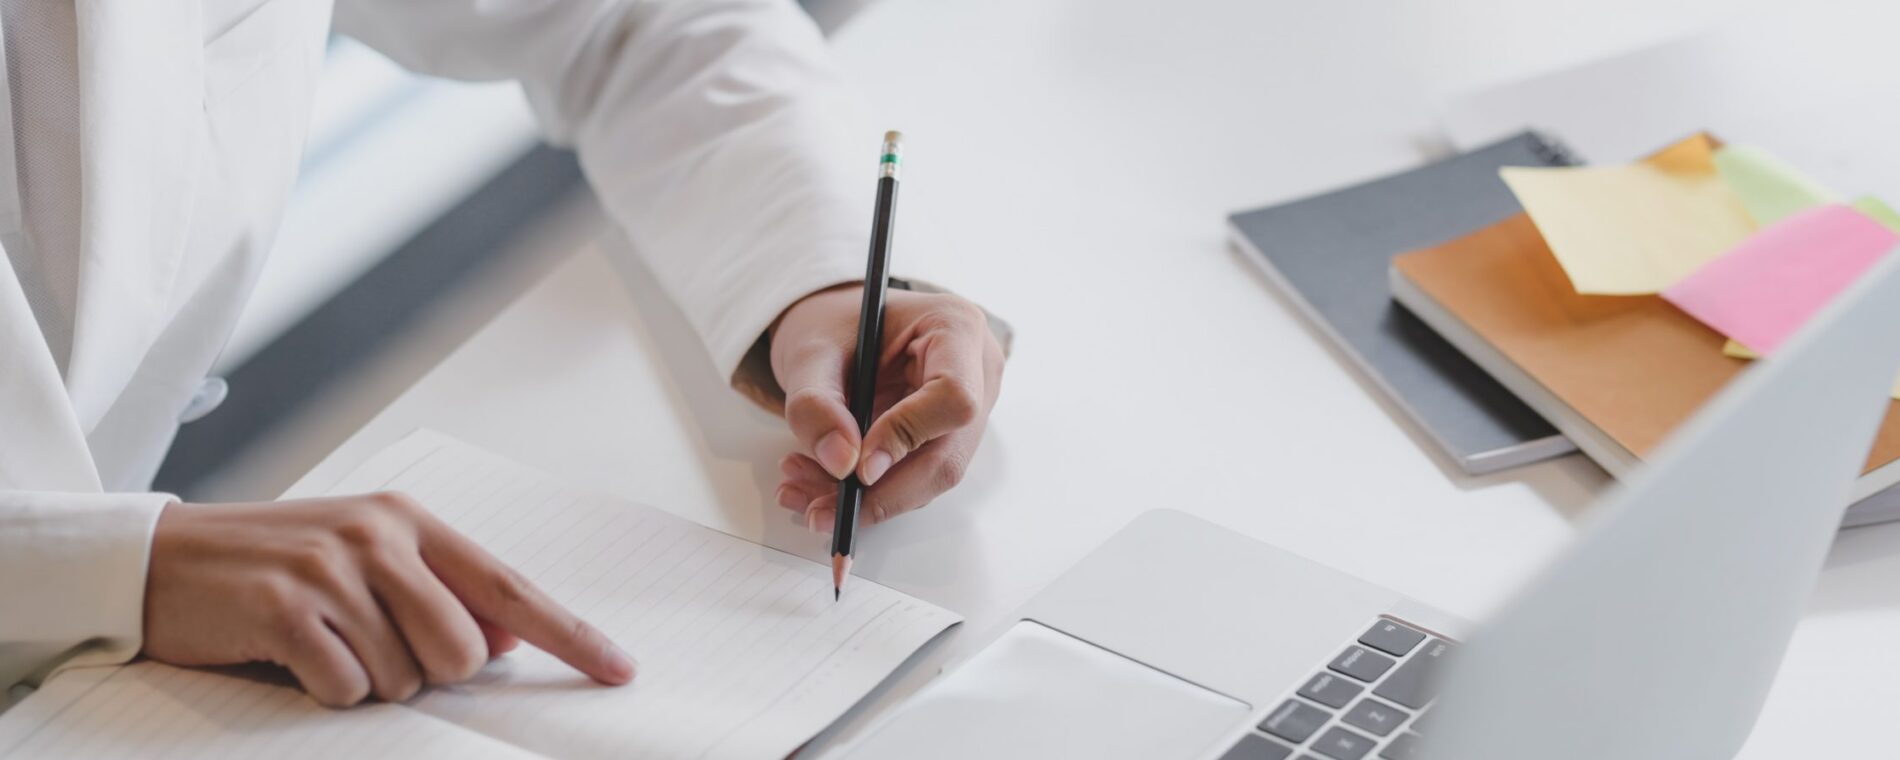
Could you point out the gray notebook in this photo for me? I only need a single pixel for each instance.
(1329, 254)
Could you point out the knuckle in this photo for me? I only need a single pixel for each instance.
(905, 429)
(346, 695)
(810, 403)
(579, 631)
(395, 501)
(459, 662)
(332, 684)
(366, 530)
(960, 402)
(803, 401)
(966, 312)
(954, 312)
(948, 473)
(314, 566)
(311, 561)
(359, 531)
(938, 320)
(285, 611)
(510, 588)
(400, 688)
(383, 565)
(334, 698)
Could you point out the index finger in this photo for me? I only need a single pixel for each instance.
(500, 595)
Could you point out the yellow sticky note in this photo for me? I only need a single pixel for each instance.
(1770, 189)
(1638, 228)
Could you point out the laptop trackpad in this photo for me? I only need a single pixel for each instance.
(1037, 692)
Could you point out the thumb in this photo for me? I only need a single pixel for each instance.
(813, 378)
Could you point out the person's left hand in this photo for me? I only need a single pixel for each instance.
(938, 376)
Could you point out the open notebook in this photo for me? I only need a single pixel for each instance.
(742, 651)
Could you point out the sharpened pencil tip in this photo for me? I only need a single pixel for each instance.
(840, 570)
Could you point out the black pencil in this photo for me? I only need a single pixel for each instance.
(877, 278)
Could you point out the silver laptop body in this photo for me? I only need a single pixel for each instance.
(1179, 638)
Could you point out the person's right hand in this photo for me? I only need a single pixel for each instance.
(355, 595)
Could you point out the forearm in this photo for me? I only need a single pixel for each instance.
(718, 134)
(742, 179)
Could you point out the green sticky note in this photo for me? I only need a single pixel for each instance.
(1770, 189)
(1879, 212)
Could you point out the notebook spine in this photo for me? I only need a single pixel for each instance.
(1552, 150)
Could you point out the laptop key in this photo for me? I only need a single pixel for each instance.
(1361, 663)
(1295, 721)
(1330, 690)
(1415, 682)
(1403, 747)
(1418, 724)
(1377, 718)
(1257, 747)
(1341, 744)
(1391, 638)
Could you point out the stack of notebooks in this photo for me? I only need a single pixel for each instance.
(1515, 304)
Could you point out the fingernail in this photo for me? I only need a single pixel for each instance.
(836, 454)
(619, 666)
(821, 520)
(792, 498)
(875, 466)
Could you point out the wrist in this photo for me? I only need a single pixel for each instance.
(771, 330)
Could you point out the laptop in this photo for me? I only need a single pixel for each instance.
(1181, 639)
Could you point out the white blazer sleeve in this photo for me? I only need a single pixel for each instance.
(716, 132)
(72, 579)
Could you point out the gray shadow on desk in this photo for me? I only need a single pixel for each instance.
(730, 428)
(1569, 489)
(916, 540)
(909, 676)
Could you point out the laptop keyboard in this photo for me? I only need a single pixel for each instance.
(1368, 702)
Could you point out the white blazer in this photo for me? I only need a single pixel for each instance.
(715, 131)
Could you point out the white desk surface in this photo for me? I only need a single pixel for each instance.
(1071, 164)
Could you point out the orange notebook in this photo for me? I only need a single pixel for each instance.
(1615, 373)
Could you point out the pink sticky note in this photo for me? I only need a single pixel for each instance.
(1766, 288)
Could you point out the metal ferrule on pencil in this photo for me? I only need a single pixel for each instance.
(893, 158)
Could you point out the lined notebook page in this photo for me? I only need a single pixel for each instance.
(742, 652)
(150, 710)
